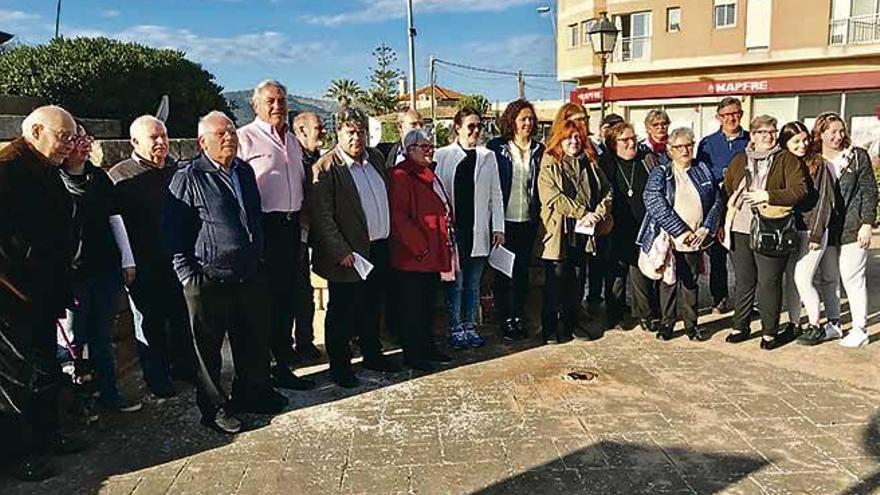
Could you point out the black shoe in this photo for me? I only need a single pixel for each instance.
(738, 336)
(162, 390)
(649, 325)
(308, 352)
(284, 378)
(508, 330)
(778, 340)
(222, 422)
(664, 332)
(697, 333)
(345, 379)
(438, 357)
(33, 468)
(382, 364)
(269, 402)
(720, 306)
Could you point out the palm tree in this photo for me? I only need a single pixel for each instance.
(344, 88)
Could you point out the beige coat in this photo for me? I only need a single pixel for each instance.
(565, 193)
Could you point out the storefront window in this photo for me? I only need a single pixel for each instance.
(812, 105)
(862, 109)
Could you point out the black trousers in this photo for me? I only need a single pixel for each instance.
(563, 285)
(304, 332)
(353, 311)
(415, 304)
(718, 272)
(680, 299)
(161, 316)
(510, 293)
(239, 309)
(643, 291)
(596, 268)
(757, 276)
(282, 234)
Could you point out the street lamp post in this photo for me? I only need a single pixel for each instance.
(546, 9)
(411, 35)
(603, 37)
(57, 17)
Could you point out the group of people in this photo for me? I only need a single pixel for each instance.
(222, 245)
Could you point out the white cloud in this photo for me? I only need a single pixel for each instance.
(262, 48)
(110, 13)
(381, 10)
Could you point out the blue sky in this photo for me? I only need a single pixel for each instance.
(306, 43)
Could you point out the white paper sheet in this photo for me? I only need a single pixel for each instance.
(582, 227)
(363, 266)
(501, 259)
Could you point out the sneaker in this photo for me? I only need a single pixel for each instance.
(457, 338)
(817, 334)
(472, 337)
(119, 404)
(222, 422)
(855, 338)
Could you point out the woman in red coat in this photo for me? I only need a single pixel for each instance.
(421, 247)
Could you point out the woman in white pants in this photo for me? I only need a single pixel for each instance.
(815, 214)
(849, 231)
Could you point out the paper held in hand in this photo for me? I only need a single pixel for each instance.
(584, 227)
(363, 266)
(501, 259)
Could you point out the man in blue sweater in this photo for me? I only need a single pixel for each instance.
(716, 150)
(212, 223)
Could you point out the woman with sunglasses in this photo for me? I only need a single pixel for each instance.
(849, 233)
(469, 174)
(815, 212)
(103, 262)
(769, 178)
(421, 246)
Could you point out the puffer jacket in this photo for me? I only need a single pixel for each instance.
(855, 195)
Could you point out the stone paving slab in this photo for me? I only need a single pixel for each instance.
(674, 417)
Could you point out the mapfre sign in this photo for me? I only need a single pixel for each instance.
(770, 85)
(739, 87)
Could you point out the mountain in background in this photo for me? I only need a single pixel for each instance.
(240, 101)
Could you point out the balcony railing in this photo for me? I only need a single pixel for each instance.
(859, 29)
(634, 48)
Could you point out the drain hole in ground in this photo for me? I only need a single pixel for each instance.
(581, 376)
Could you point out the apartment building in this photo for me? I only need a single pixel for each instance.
(790, 58)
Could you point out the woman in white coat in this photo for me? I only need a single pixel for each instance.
(469, 174)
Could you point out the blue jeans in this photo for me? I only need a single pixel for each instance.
(463, 295)
(92, 324)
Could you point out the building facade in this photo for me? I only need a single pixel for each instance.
(789, 58)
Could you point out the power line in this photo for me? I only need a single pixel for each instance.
(492, 71)
(472, 76)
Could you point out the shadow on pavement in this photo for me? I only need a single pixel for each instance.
(871, 444)
(609, 467)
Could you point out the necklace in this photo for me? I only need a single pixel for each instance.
(629, 182)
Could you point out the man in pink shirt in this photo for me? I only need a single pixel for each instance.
(271, 149)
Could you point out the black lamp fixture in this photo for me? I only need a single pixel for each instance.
(603, 36)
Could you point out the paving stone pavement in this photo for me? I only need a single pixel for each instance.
(676, 417)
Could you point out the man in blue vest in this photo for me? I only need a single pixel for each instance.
(716, 150)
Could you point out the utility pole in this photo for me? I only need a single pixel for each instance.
(57, 17)
(411, 35)
(431, 77)
(520, 85)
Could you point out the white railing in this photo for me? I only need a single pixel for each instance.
(859, 29)
(634, 48)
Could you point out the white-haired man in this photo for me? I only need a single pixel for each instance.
(270, 147)
(213, 226)
(156, 299)
(36, 250)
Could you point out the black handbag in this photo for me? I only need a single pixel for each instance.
(771, 236)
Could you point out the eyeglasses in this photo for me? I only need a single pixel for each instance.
(425, 147)
(659, 124)
(474, 127)
(84, 139)
(729, 115)
(682, 147)
(64, 136)
(764, 132)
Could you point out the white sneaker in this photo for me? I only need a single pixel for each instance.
(832, 331)
(855, 338)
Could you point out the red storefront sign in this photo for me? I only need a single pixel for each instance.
(775, 85)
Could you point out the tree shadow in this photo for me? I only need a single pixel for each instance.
(611, 467)
(871, 445)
